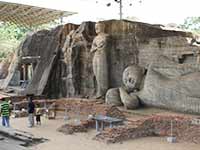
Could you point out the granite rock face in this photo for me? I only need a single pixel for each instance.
(129, 101)
(41, 50)
(4, 66)
(100, 50)
(130, 43)
(127, 94)
(167, 84)
(65, 64)
(132, 77)
(113, 97)
(12, 76)
(177, 90)
(79, 77)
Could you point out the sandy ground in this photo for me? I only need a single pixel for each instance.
(83, 141)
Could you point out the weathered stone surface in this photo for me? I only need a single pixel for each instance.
(132, 77)
(113, 97)
(128, 40)
(65, 68)
(50, 42)
(4, 67)
(47, 46)
(130, 102)
(11, 76)
(173, 86)
(166, 85)
(100, 63)
(78, 78)
(25, 138)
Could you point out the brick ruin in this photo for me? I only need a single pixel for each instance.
(74, 107)
(152, 126)
(185, 128)
(158, 125)
(180, 126)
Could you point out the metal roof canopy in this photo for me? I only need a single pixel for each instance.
(28, 16)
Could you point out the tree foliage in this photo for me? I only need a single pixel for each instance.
(192, 24)
(11, 32)
(10, 36)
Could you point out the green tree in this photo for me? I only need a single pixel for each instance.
(192, 24)
(11, 32)
(11, 35)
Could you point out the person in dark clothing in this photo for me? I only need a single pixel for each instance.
(31, 110)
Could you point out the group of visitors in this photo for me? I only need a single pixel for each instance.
(32, 111)
(5, 111)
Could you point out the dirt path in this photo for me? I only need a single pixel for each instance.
(83, 141)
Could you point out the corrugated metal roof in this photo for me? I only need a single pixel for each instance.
(28, 16)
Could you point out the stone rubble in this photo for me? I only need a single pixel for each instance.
(153, 126)
(82, 108)
(156, 125)
(83, 126)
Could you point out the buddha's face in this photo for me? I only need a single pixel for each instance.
(99, 27)
(132, 77)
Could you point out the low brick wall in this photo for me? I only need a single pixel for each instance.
(74, 107)
(84, 107)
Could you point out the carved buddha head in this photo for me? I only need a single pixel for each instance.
(99, 27)
(132, 77)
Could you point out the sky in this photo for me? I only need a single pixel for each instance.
(150, 11)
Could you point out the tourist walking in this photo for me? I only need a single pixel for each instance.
(38, 116)
(31, 110)
(5, 112)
